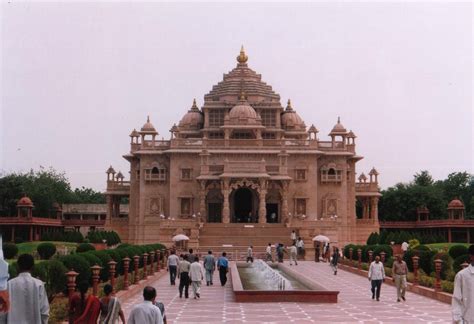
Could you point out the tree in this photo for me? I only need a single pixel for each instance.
(423, 179)
(87, 196)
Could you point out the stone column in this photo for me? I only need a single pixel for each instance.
(262, 207)
(371, 255)
(126, 265)
(382, 256)
(202, 201)
(438, 265)
(152, 263)
(375, 208)
(359, 258)
(158, 260)
(415, 260)
(284, 200)
(136, 261)
(225, 207)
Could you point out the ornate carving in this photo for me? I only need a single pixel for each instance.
(154, 206)
(330, 205)
(244, 183)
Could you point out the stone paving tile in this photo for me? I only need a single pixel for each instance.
(354, 305)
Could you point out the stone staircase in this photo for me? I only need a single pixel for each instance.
(235, 238)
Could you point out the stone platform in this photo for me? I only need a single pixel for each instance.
(217, 304)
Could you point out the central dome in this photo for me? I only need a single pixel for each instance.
(243, 113)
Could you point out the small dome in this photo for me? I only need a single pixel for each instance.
(351, 134)
(110, 170)
(148, 127)
(25, 201)
(193, 118)
(134, 133)
(338, 128)
(313, 129)
(362, 177)
(243, 113)
(290, 119)
(455, 203)
(373, 172)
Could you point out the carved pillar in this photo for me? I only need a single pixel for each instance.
(136, 261)
(145, 262)
(202, 201)
(152, 263)
(109, 209)
(438, 265)
(373, 207)
(262, 208)
(95, 278)
(415, 260)
(71, 283)
(112, 265)
(225, 207)
(284, 198)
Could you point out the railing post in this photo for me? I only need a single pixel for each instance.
(371, 256)
(359, 258)
(95, 278)
(136, 261)
(438, 264)
(158, 259)
(415, 260)
(152, 263)
(126, 265)
(351, 250)
(71, 283)
(145, 261)
(382, 256)
(112, 265)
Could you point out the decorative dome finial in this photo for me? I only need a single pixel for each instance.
(242, 58)
(148, 118)
(288, 106)
(338, 119)
(194, 106)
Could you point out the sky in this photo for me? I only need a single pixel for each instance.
(76, 78)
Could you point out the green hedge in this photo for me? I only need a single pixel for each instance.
(84, 247)
(46, 250)
(425, 255)
(72, 236)
(457, 250)
(385, 248)
(53, 274)
(460, 260)
(10, 250)
(79, 264)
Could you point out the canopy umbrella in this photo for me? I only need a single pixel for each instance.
(321, 238)
(180, 237)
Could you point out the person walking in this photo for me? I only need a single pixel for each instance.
(110, 308)
(399, 273)
(249, 254)
(173, 261)
(84, 308)
(376, 277)
(183, 275)
(463, 294)
(300, 247)
(280, 250)
(196, 275)
(146, 312)
(223, 266)
(209, 266)
(317, 253)
(335, 260)
(27, 296)
(268, 253)
(293, 252)
(191, 255)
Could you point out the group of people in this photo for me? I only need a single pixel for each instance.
(295, 250)
(189, 271)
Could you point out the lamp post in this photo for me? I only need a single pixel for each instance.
(152, 263)
(71, 282)
(136, 261)
(416, 260)
(371, 255)
(351, 250)
(95, 278)
(145, 260)
(112, 265)
(158, 258)
(359, 258)
(126, 265)
(438, 264)
(382, 256)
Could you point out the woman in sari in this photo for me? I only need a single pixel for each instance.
(110, 309)
(84, 308)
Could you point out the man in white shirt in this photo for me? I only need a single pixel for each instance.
(463, 294)
(196, 274)
(146, 312)
(300, 247)
(249, 254)
(28, 299)
(376, 277)
(173, 261)
(293, 252)
(405, 246)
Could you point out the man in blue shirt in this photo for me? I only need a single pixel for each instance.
(223, 266)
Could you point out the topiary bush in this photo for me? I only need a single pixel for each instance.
(46, 250)
(79, 264)
(92, 259)
(460, 260)
(13, 270)
(85, 247)
(104, 259)
(457, 250)
(53, 274)
(346, 251)
(446, 266)
(385, 248)
(425, 255)
(10, 250)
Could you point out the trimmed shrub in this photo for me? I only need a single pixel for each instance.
(123, 245)
(460, 260)
(13, 270)
(104, 258)
(373, 238)
(46, 250)
(427, 281)
(92, 259)
(53, 274)
(413, 243)
(85, 247)
(346, 251)
(425, 255)
(79, 264)
(457, 250)
(385, 248)
(447, 286)
(10, 250)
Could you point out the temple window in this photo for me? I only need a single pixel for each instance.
(300, 175)
(186, 174)
(331, 174)
(268, 135)
(300, 206)
(186, 206)
(268, 117)
(216, 135)
(242, 135)
(216, 118)
(155, 174)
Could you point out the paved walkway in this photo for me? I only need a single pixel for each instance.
(354, 306)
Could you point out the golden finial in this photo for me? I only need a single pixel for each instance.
(242, 58)
(288, 106)
(148, 118)
(194, 104)
(338, 119)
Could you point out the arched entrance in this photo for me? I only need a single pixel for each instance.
(244, 205)
(214, 201)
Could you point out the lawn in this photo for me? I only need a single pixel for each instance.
(30, 247)
(444, 246)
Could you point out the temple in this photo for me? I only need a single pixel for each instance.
(242, 169)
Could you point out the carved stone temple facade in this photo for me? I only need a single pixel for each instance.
(242, 162)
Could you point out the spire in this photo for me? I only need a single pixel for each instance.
(338, 119)
(242, 58)
(148, 118)
(194, 106)
(288, 106)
